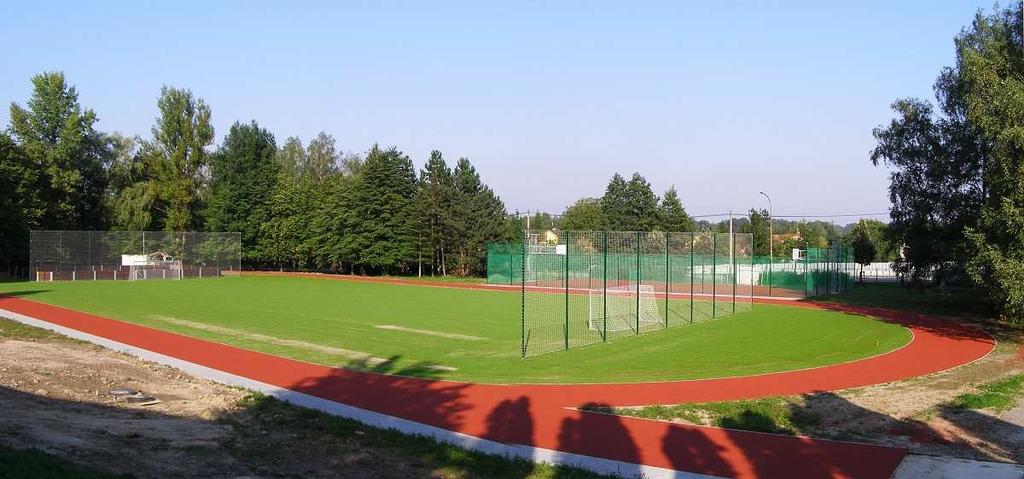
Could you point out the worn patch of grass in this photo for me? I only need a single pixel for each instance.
(272, 431)
(999, 395)
(25, 463)
(776, 415)
(15, 330)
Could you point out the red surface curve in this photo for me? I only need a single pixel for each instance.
(543, 415)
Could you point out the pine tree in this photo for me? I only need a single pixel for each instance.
(630, 206)
(671, 213)
(382, 226)
(479, 219)
(434, 201)
(243, 175)
(614, 204)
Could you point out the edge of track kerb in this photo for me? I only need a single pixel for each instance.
(365, 416)
(533, 452)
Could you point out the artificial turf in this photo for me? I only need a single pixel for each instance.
(305, 318)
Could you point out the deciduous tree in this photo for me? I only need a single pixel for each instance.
(58, 137)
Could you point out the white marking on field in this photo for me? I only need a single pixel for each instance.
(392, 327)
(294, 343)
(263, 338)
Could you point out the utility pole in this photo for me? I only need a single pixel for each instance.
(732, 246)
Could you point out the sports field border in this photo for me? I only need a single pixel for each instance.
(542, 422)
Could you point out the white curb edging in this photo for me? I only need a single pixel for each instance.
(536, 454)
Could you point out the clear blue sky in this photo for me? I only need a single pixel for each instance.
(547, 99)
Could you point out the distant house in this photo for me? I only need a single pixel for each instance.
(551, 236)
(795, 236)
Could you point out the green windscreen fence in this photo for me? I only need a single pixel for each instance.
(586, 287)
(812, 272)
(808, 273)
(504, 263)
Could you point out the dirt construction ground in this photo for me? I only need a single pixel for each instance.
(55, 396)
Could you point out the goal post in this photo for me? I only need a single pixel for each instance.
(622, 308)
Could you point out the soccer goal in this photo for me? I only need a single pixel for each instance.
(157, 265)
(616, 309)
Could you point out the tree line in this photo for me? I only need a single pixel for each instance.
(632, 205)
(303, 206)
(307, 207)
(957, 186)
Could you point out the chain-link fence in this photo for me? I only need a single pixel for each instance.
(128, 255)
(585, 287)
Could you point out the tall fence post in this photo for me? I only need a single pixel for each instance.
(732, 241)
(522, 297)
(714, 275)
(604, 300)
(566, 279)
(691, 277)
(667, 270)
(638, 280)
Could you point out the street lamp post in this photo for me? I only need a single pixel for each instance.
(771, 240)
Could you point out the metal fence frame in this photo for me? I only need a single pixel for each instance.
(68, 255)
(690, 278)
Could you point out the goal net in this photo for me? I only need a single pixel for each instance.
(623, 308)
(157, 265)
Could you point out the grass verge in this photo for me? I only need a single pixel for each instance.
(25, 463)
(15, 330)
(775, 415)
(268, 428)
(999, 395)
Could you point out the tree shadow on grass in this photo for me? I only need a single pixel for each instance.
(117, 440)
(21, 293)
(751, 442)
(945, 326)
(951, 431)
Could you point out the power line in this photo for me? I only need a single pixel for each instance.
(837, 215)
(814, 215)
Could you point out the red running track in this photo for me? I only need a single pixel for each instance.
(544, 416)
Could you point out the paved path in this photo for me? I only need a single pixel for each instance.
(543, 418)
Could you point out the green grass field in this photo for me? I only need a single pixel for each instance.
(461, 334)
